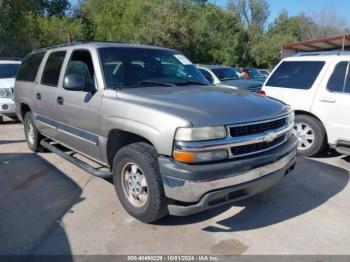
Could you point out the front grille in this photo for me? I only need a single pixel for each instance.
(255, 148)
(257, 128)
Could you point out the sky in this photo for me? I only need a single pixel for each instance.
(294, 7)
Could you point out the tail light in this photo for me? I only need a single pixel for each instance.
(262, 92)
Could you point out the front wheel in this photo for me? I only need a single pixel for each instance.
(311, 135)
(138, 182)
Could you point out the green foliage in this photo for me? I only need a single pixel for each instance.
(237, 35)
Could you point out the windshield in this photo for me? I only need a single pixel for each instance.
(254, 73)
(8, 70)
(126, 67)
(226, 73)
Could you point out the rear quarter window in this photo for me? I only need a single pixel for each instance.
(29, 67)
(296, 74)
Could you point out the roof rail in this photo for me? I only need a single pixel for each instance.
(78, 42)
(335, 53)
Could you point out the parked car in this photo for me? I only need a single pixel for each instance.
(265, 72)
(228, 77)
(172, 142)
(8, 70)
(254, 74)
(318, 89)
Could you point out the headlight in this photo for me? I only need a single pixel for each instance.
(200, 133)
(6, 93)
(196, 157)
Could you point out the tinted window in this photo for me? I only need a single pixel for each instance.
(53, 68)
(80, 63)
(347, 84)
(226, 73)
(8, 70)
(29, 67)
(254, 73)
(337, 79)
(125, 67)
(207, 75)
(298, 75)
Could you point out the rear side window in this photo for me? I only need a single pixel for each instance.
(29, 67)
(337, 80)
(296, 74)
(52, 68)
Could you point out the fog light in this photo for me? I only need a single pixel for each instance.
(5, 107)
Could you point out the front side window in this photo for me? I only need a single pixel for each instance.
(296, 74)
(80, 63)
(226, 73)
(52, 68)
(8, 70)
(126, 67)
(337, 81)
(29, 67)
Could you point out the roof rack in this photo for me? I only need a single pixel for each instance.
(335, 53)
(77, 42)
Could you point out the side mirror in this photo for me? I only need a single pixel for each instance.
(76, 82)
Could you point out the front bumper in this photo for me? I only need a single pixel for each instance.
(196, 188)
(7, 107)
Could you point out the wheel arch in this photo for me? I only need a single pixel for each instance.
(302, 112)
(24, 108)
(117, 139)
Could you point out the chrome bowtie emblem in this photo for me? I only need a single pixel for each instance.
(269, 137)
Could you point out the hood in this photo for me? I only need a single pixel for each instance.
(258, 79)
(205, 106)
(242, 84)
(7, 82)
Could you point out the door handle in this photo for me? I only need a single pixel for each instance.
(60, 100)
(38, 96)
(328, 100)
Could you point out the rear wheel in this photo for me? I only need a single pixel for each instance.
(311, 135)
(33, 137)
(138, 182)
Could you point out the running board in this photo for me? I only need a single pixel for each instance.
(103, 174)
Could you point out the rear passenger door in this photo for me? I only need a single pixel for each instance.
(46, 93)
(333, 102)
(79, 115)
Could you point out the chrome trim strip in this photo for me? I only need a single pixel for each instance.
(69, 130)
(231, 141)
(192, 191)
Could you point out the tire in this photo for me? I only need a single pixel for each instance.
(144, 157)
(33, 140)
(1, 119)
(315, 129)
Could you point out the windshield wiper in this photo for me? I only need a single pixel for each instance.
(191, 82)
(149, 82)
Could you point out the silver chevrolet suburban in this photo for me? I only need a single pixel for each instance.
(172, 142)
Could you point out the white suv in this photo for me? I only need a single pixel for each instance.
(8, 71)
(317, 86)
